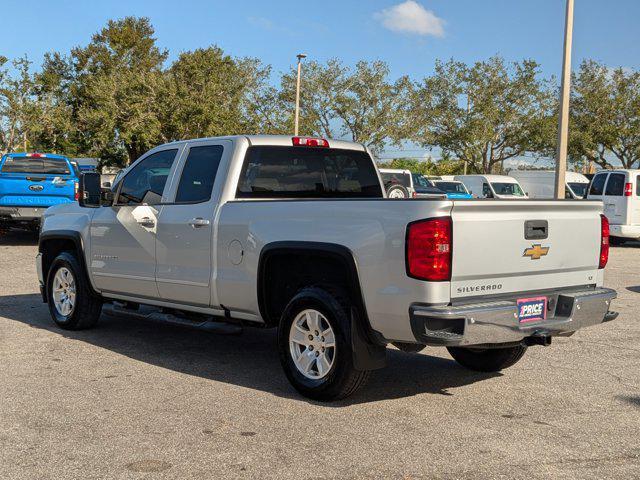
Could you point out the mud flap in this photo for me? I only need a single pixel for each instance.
(366, 354)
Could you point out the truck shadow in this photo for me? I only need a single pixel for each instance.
(249, 360)
(18, 237)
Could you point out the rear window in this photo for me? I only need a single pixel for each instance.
(303, 172)
(451, 187)
(395, 178)
(597, 185)
(615, 185)
(51, 166)
(502, 188)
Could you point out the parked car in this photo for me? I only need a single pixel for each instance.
(619, 190)
(405, 184)
(296, 233)
(542, 183)
(32, 182)
(453, 189)
(492, 186)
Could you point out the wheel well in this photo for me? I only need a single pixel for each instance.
(51, 247)
(285, 269)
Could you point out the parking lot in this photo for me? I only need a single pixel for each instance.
(132, 399)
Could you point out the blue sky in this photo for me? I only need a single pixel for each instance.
(350, 30)
(409, 36)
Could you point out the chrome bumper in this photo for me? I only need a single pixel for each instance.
(497, 322)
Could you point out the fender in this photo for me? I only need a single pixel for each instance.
(75, 237)
(368, 345)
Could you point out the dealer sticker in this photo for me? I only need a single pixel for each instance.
(532, 309)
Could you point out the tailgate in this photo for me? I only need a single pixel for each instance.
(492, 256)
(17, 189)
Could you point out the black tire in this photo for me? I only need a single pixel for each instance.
(409, 347)
(87, 307)
(397, 190)
(489, 359)
(342, 378)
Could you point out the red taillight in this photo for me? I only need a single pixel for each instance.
(604, 241)
(414, 195)
(628, 189)
(309, 142)
(429, 245)
(76, 194)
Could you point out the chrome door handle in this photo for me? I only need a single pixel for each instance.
(199, 222)
(146, 222)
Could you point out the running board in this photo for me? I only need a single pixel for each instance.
(145, 312)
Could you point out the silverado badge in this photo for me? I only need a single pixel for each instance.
(535, 251)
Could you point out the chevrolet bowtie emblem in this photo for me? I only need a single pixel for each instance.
(535, 251)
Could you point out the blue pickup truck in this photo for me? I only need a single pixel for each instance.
(32, 182)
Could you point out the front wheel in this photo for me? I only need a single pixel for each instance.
(487, 359)
(72, 304)
(314, 342)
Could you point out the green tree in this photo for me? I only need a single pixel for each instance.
(17, 106)
(209, 93)
(483, 114)
(360, 104)
(605, 115)
(118, 79)
(55, 129)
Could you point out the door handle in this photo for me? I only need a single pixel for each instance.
(199, 222)
(146, 222)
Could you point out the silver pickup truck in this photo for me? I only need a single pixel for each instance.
(296, 233)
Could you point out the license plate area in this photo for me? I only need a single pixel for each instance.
(532, 309)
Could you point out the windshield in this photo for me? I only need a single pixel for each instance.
(579, 188)
(51, 166)
(451, 187)
(509, 189)
(420, 181)
(395, 178)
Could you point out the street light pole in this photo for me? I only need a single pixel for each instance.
(563, 116)
(300, 56)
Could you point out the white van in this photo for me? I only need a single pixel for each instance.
(619, 190)
(492, 186)
(542, 183)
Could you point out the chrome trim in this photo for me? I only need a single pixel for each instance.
(497, 322)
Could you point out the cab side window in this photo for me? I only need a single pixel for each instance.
(597, 185)
(145, 182)
(615, 185)
(486, 191)
(198, 174)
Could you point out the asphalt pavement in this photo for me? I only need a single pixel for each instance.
(139, 400)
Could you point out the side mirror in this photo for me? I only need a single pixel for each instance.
(89, 190)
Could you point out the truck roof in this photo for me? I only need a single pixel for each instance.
(30, 154)
(276, 140)
(573, 177)
(491, 178)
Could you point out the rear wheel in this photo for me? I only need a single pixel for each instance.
(314, 341)
(72, 304)
(488, 359)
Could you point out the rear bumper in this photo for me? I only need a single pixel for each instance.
(497, 322)
(22, 213)
(625, 231)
